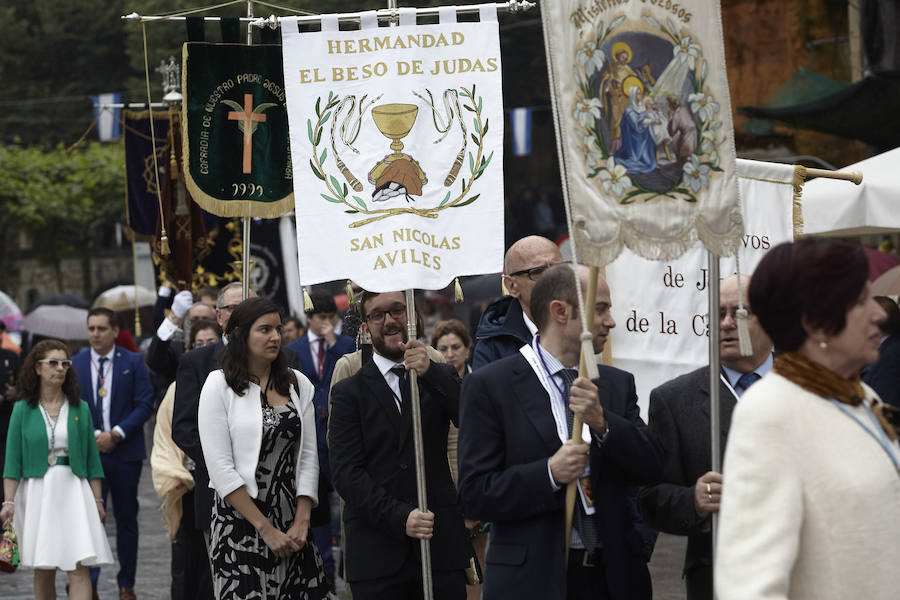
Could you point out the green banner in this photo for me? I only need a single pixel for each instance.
(235, 131)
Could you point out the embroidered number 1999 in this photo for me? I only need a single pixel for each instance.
(246, 190)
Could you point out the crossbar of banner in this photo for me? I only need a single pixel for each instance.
(106, 106)
(386, 14)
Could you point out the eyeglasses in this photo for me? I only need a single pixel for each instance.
(56, 363)
(228, 307)
(534, 273)
(398, 313)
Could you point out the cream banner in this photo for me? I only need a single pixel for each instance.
(661, 308)
(645, 120)
(397, 147)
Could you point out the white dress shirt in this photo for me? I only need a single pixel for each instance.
(107, 385)
(393, 380)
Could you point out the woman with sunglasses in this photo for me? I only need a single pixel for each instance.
(257, 428)
(52, 476)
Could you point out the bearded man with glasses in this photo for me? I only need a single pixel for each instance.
(506, 324)
(373, 463)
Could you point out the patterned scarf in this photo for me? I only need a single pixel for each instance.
(821, 381)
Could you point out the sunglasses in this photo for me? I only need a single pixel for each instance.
(65, 364)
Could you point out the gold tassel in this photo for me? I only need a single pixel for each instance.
(457, 291)
(503, 289)
(164, 244)
(307, 301)
(349, 292)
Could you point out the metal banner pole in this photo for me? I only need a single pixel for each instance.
(714, 368)
(421, 490)
(245, 255)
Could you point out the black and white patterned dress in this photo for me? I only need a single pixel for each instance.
(244, 567)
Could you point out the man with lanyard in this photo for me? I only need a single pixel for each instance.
(679, 416)
(118, 387)
(516, 458)
(506, 323)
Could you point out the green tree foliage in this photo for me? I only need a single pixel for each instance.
(61, 200)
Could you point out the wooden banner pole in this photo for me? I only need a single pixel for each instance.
(584, 370)
(418, 445)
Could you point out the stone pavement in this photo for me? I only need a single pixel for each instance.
(154, 556)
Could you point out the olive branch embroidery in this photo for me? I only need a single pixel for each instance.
(339, 193)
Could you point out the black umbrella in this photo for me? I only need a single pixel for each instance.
(73, 300)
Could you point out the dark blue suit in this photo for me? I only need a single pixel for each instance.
(321, 516)
(129, 407)
(506, 435)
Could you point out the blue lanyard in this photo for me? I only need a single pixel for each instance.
(878, 433)
(540, 354)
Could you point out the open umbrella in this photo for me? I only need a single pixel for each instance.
(60, 300)
(10, 313)
(121, 297)
(62, 322)
(888, 284)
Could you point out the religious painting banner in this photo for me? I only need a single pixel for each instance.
(644, 116)
(397, 142)
(235, 132)
(661, 308)
(140, 179)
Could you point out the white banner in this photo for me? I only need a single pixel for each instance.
(397, 148)
(645, 119)
(661, 308)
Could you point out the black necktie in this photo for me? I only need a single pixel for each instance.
(745, 381)
(400, 371)
(584, 523)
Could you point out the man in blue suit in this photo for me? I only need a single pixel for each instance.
(318, 351)
(117, 386)
(515, 459)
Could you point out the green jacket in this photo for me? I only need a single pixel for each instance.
(27, 443)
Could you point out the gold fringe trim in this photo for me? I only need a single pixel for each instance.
(799, 180)
(307, 301)
(164, 243)
(503, 290)
(350, 292)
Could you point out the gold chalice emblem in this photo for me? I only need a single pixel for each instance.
(397, 173)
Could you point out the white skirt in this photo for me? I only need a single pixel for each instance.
(57, 522)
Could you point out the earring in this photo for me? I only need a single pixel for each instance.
(823, 344)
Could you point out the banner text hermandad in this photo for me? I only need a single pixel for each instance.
(397, 143)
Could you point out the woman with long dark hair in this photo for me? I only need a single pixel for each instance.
(257, 428)
(52, 475)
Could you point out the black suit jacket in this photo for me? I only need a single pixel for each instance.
(373, 469)
(506, 436)
(193, 369)
(679, 416)
(884, 375)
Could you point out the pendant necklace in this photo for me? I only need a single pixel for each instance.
(51, 458)
(269, 416)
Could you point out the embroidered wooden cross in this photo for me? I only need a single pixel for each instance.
(245, 120)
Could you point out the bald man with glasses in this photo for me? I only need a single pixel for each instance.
(506, 324)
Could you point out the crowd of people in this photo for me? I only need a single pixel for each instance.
(283, 451)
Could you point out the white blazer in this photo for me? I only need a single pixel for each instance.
(231, 436)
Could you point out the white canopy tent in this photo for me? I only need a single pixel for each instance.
(837, 209)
